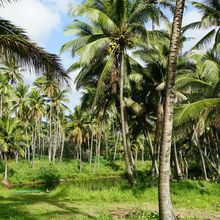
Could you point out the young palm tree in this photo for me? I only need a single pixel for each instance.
(165, 205)
(12, 139)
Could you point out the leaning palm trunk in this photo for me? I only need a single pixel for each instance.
(165, 205)
(129, 171)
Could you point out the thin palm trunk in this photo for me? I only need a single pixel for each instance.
(129, 171)
(96, 153)
(6, 169)
(91, 149)
(1, 106)
(50, 134)
(116, 145)
(165, 205)
(80, 157)
(62, 147)
(176, 161)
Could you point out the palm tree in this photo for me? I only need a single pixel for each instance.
(58, 105)
(102, 46)
(4, 92)
(20, 100)
(165, 205)
(47, 85)
(12, 139)
(209, 10)
(36, 112)
(76, 128)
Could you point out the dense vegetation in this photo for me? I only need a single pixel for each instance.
(130, 77)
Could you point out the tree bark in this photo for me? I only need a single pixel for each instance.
(176, 161)
(165, 205)
(129, 171)
(6, 169)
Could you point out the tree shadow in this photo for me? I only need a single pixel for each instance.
(13, 208)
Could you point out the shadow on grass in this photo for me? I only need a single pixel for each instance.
(36, 206)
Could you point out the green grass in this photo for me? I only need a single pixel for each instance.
(78, 201)
(186, 194)
(22, 172)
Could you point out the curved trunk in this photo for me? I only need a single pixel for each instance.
(165, 205)
(129, 171)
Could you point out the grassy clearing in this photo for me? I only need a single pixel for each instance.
(46, 206)
(78, 200)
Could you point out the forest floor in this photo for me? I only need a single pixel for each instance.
(42, 206)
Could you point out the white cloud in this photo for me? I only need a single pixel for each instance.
(38, 18)
(196, 34)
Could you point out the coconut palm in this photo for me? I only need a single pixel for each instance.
(12, 139)
(20, 100)
(12, 71)
(102, 46)
(165, 205)
(209, 10)
(76, 127)
(37, 110)
(47, 85)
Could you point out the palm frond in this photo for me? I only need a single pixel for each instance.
(188, 112)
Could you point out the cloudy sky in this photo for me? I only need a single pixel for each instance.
(45, 20)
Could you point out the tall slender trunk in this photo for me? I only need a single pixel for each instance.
(176, 161)
(50, 134)
(1, 106)
(6, 169)
(129, 171)
(62, 147)
(154, 167)
(203, 162)
(165, 205)
(91, 145)
(96, 153)
(116, 145)
(80, 157)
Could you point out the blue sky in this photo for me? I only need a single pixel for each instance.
(45, 21)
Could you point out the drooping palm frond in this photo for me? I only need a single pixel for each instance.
(207, 39)
(15, 43)
(96, 16)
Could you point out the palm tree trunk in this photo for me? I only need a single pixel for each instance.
(80, 158)
(50, 134)
(96, 154)
(6, 169)
(129, 171)
(1, 106)
(116, 145)
(91, 145)
(176, 161)
(165, 205)
(62, 147)
(203, 162)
